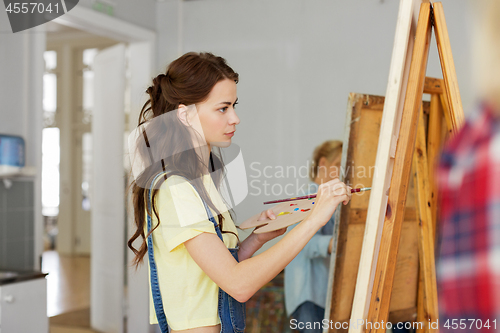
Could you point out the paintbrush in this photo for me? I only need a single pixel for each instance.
(353, 190)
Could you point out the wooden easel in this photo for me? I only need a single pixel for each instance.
(363, 119)
(402, 144)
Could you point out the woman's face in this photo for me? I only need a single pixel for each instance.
(334, 168)
(328, 170)
(217, 114)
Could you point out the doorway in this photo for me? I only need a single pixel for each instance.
(108, 302)
(68, 105)
(67, 141)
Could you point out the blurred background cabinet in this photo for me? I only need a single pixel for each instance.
(23, 304)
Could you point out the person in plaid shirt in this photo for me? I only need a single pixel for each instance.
(468, 264)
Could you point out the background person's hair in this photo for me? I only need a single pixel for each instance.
(486, 50)
(330, 150)
(188, 80)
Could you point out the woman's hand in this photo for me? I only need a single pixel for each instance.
(330, 195)
(267, 236)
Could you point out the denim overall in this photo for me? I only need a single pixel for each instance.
(231, 312)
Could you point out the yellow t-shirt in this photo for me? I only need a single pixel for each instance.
(189, 296)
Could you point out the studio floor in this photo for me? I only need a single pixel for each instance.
(68, 298)
(68, 292)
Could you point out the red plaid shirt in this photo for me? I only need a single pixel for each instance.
(468, 265)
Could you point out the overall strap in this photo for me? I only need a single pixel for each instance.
(155, 287)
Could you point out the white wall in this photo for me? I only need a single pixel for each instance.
(20, 91)
(21, 77)
(141, 12)
(297, 60)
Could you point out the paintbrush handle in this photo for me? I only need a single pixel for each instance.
(353, 190)
(291, 199)
(361, 189)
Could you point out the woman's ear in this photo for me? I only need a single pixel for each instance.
(182, 114)
(322, 161)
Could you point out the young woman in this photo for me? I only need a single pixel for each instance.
(201, 274)
(306, 277)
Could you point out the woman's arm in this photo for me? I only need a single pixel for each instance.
(255, 241)
(248, 247)
(241, 280)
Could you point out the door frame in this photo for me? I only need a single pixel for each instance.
(141, 57)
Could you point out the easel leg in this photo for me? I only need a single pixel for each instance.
(426, 237)
(433, 150)
(421, 311)
(389, 245)
(447, 114)
(448, 67)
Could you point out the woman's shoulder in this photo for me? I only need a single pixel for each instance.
(175, 180)
(177, 186)
(163, 183)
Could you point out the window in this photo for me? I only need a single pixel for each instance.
(50, 138)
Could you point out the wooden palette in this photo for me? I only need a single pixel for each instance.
(287, 213)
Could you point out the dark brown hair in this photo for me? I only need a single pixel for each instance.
(188, 80)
